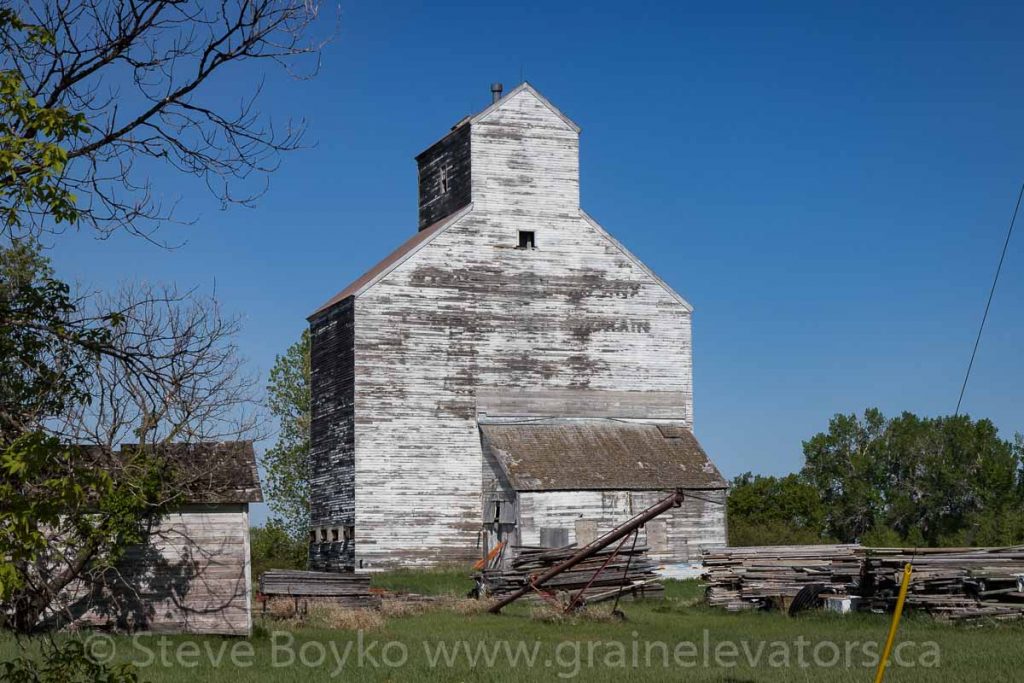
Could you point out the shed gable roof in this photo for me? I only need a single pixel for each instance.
(214, 471)
(211, 472)
(594, 454)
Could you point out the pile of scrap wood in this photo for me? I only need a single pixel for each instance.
(602, 576)
(346, 589)
(745, 578)
(962, 584)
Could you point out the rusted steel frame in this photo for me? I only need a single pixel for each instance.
(600, 569)
(601, 597)
(675, 499)
(545, 595)
(625, 572)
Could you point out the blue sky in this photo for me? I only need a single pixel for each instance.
(829, 184)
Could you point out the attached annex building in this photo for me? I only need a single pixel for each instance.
(509, 373)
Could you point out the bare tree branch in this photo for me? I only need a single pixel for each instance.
(173, 373)
(144, 73)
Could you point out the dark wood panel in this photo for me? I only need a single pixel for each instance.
(332, 448)
(444, 177)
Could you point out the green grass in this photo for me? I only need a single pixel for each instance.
(686, 592)
(585, 649)
(452, 580)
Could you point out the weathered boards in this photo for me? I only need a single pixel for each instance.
(509, 301)
(962, 584)
(626, 572)
(193, 572)
(346, 589)
(751, 577)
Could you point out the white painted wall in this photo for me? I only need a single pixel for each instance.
(694, 525)
(193, 577)
(470, 310)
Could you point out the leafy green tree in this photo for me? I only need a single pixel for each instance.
(32, 139)
(775, 511)
(43, 354)
(927, 481)
(287, 463)
(274, 547)
(889, 482)
(63, 512)
(844, 465)
(66, 516)
(50, 494)
(147, 367)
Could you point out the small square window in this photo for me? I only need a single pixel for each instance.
(526, 240)
(335, 535)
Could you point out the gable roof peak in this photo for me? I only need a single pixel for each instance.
(525, 87)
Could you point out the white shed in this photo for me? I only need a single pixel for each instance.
(194, 574)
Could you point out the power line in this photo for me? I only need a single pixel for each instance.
(988, 304)
(688, 494)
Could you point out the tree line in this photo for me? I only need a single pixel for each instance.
(889, 481)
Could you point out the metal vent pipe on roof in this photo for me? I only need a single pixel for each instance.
(496, 89)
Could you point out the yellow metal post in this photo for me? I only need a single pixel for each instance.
(907, 571)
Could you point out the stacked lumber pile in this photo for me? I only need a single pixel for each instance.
(752, 577)
(960, 584)
(630, 572)
(346, 589)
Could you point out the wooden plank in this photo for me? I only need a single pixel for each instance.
(567, 402)
(965, 584)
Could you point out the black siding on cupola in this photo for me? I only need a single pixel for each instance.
(444, 177)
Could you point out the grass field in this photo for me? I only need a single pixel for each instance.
(675, 639)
